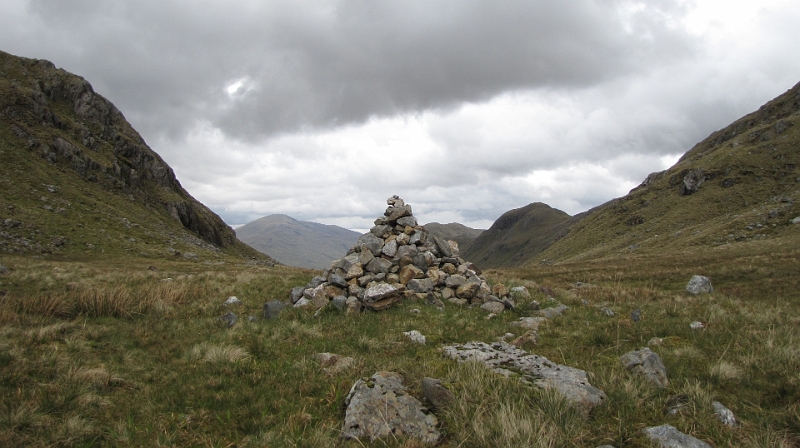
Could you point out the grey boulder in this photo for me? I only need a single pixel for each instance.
(647, 363)
(699, 285)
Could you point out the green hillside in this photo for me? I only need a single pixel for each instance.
(76, 179)
(749, 176)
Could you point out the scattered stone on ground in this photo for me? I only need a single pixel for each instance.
(380, 406)
(3, 269)
(607, 311)
(699, 285)
(796, 220)
(530, 337)
(675, 403)
(232, 300)
(332, 363)
(550, 313)
(493, 307)
(636, 315)
(436, 393)
(572, 383)
(647, 363)
(669, 437)
(398, 259)
(724, 414)
(520, 293)
(529, 323)
(415, 337)
(655, 341)
(697, 325)
(273, 308)
(229, 319)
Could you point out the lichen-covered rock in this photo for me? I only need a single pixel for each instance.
(724, 414)
(572, 383)
(380, 407)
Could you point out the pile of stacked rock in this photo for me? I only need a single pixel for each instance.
(399, 259)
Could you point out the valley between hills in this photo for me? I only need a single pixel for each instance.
(132, 315)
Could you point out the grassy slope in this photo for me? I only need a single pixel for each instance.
(752, 169)
(116, 356)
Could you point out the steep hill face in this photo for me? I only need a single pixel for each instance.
(75, 177)
(517, 236)
(740, 184)
(454, 231)
(298, 243)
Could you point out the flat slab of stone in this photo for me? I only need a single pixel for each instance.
(507, 360)
(669, 437)
(380, 407)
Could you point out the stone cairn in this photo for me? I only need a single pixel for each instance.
(399, 259)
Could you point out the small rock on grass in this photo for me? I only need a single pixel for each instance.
(699, 284)
(436, 393)
(724, 414)
(232, 300)
(415, 336)
(669, 437)
(229, 319)
(332, 363)
(272, 309)
(697, 325)
(3, 269)
(647, 363)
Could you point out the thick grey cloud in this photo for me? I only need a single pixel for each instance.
(324, 64)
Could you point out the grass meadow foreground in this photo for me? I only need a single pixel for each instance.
(113, 354)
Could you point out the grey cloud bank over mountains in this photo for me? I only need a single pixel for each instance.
(321, 110)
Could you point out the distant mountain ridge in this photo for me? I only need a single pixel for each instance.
(77, 178)
(298, 243)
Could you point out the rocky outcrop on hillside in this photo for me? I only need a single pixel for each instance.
(396, 259)
(58, 117)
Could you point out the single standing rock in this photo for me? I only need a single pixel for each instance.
(699, 285)
(647, 363)
(438, 395)
(273, 308)
(380, 406)
(724, 414)
(669, 437)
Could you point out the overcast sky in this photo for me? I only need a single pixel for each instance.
(323, 109)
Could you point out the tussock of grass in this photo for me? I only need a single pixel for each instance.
(217, 353)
